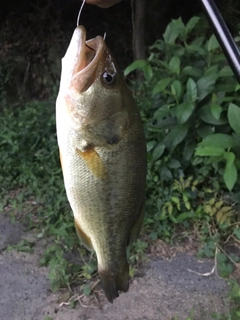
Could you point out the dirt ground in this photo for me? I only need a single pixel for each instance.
(161, 290)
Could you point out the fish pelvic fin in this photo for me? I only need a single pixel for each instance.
(112, 284)
(83, 237)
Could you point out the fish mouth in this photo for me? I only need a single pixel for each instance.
(80, 63)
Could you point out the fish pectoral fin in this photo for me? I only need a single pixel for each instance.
(93, 162)
(83, 237)
(134, 233)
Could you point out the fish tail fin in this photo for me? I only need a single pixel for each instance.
(122, 278)
(111, 284)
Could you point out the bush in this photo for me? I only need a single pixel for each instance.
(29, 159)
(189, 105)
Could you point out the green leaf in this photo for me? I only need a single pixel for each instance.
(173, 30)
(191, 24)
(150, 145)
(198, 41)
(211, 70)
(176, 89)
(229, 157)
(174, 65)
(158, 151)
(180, 218)
(216, 111)
(175, 200)
(205, 85)
(191, 90)
(86, 289)
(209, 151)
(192, 48)
(206, 115)
(170, 35)
(230, 175)
(237, 232)
(176, 135)
(161, 112)
(212, 43)
(226, 72)
(147, 71)
(188, 151)
(165, 174)
(234, 117)
(174, 164)
(138, 64)
(159, 45)
(204, 130)
(218, 140)
(161, 85)
(184, 111)
(190, 71)
(237, 88)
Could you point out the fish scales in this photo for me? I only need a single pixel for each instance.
(103, 156)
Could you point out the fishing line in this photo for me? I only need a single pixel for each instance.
(79, 13)
(78, 18)
(104, 36)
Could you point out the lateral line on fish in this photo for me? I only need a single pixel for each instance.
(93, 162)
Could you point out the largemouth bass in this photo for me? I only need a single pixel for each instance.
(103, 156)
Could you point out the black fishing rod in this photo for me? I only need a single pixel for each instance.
(223, 35)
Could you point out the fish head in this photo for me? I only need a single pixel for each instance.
(91, 82)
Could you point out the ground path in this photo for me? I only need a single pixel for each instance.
(162, 290)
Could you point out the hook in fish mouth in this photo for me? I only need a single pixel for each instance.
(87, 51)
(82, 59)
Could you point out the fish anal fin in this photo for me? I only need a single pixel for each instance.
(134, 233)
(93, 162)
(83, 237)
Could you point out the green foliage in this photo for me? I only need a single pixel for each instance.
(29, 158)
(58, 275)
(234, 299)
(190, 106)
(31, 182)
(218, 146)
(22, 246)
(86, 289)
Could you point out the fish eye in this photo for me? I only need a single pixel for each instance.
(108, 78)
